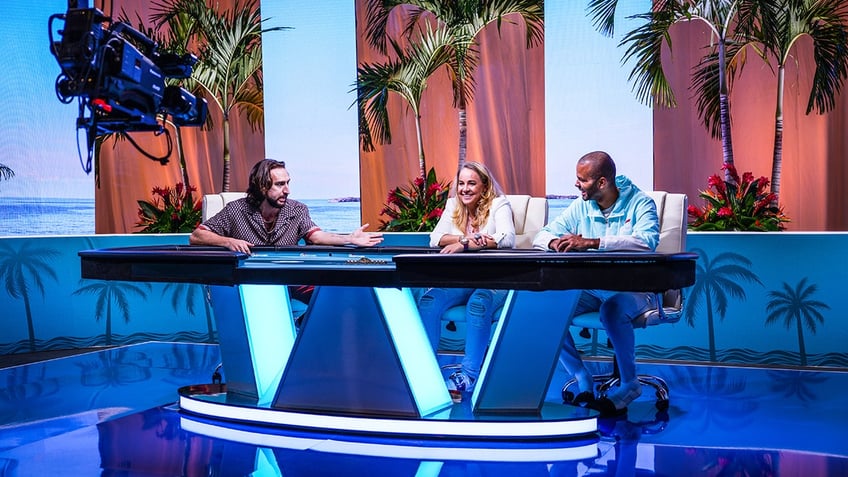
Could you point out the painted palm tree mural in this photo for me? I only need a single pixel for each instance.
(111, 293)
(22, 272)
(717, 280)
(184, 296)
(796, 307)
(464, 20)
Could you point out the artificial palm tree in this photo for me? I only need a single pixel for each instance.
(464, 20)
(229, 70)
(778, 27)
(405, 75)
(710, 78)
(174, 39)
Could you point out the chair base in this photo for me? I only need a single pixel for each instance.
(608, 381)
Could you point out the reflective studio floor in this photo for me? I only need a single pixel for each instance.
(112, 413)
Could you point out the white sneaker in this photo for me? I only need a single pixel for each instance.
(625, 394)
(459, 383)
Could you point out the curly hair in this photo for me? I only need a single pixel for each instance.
(491, 189)
(260, 180)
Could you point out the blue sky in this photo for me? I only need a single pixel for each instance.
(309, 71)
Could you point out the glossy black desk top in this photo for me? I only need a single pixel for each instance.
(393, 267)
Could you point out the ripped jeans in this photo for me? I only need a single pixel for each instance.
(480, 306)
(617, 311)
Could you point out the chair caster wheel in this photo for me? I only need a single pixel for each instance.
(567, 396)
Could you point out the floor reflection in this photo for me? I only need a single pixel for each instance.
(111, 413)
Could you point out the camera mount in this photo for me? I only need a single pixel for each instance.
(119, 77)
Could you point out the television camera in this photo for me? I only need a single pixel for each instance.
(119, 76)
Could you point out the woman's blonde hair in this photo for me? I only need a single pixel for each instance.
(491, 189)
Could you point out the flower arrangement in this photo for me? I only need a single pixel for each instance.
(171, 211)
(417, 207)
(739, 204)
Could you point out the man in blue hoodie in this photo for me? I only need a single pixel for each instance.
(612, 215)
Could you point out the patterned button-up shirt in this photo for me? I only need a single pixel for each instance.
(240, 220)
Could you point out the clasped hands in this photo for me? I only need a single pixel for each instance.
(573, 243)
(475, 242)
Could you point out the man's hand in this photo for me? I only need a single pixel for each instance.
(237, 245)
(574, 243)
(361, 238)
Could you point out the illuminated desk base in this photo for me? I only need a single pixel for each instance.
(555, 422)
(361, 363)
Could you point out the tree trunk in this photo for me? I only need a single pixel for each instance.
(777, 160)
(463, 135)
(422, 164)
(225, 125)
(30, 327)
(724, 111)
(178, 139)
(802, 349)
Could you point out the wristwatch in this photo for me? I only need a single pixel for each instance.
(464, 241)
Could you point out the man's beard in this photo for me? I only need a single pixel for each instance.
(274, 204)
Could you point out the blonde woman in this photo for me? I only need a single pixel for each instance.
(478, 217)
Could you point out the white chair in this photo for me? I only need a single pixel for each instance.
(529, 215)
(671, 210)
(214, 203)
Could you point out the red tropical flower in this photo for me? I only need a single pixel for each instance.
(736, 204)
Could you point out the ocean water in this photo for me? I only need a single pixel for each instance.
(52, 216)
(46, 216)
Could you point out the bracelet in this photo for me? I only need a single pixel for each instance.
(464, 241)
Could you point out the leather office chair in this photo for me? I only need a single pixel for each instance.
(671, 210)
(212, 204)
(529, 215)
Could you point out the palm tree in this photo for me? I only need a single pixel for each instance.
(6, 172)
(464, 19)
(779, 26)
(717, 280)
(229, 70)
(710, 78)
(108, 292)
(22, 268)
(406, 75)
(795, 307)
(174, 39)
(184, 296)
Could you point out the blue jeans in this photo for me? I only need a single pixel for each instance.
(617, 311)
(480, 306)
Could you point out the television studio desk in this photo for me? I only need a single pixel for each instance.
(360, 361)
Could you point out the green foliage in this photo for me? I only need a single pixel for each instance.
(416, 207)
(736, 204)
(171, 211)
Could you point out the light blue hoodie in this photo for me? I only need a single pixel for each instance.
(631, 225)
